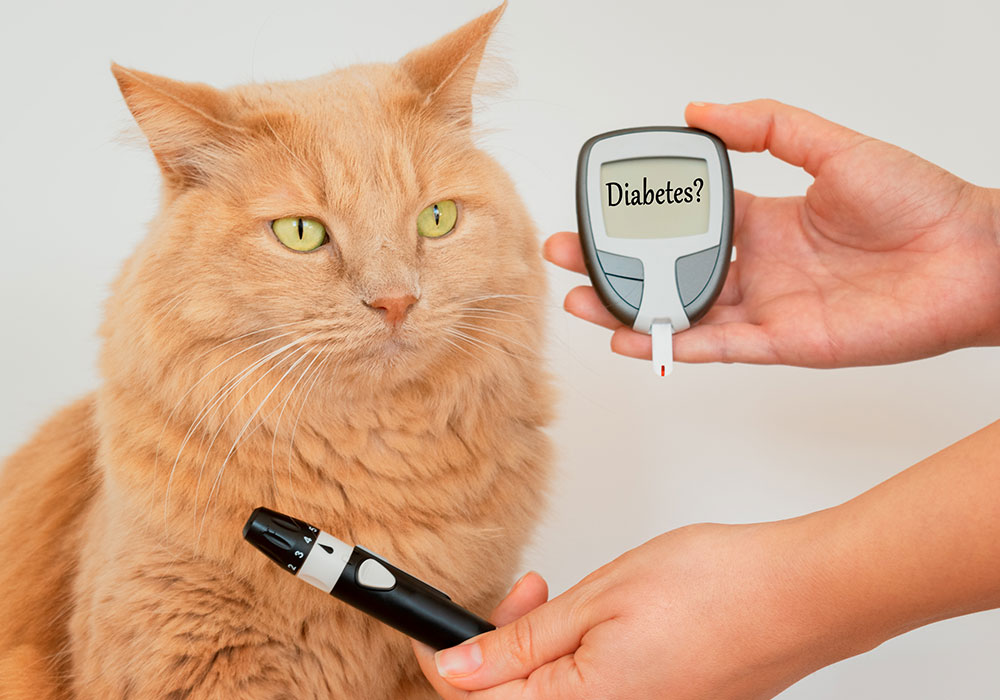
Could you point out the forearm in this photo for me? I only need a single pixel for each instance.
(920, 547)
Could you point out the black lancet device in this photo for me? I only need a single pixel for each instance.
(363, 580)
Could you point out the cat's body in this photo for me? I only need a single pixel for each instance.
(239, 374)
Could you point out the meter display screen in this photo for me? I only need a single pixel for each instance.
(655, 197)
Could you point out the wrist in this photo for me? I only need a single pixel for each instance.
(982, 215)
(989, 204)
(824, 593)
(789, 609)
(992, 198)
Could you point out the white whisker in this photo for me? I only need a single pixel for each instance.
(479, 341)
(500, 296)
(457, 346)
(194, 386)
(174, 302)
(284, 404)
(318, 372)
(219, 396)
(232, 410)
(495, 334)
(246, 335)
(239, 437)
(488, 311)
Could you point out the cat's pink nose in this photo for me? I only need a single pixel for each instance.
(395, 308)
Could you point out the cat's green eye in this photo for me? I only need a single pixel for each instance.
(438, 219)
(299, 233)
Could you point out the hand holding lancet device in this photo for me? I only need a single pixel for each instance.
(655, 208)
(363, 580)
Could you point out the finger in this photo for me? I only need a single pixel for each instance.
(526, 595)
(725, 342)
(724, 337)
(516, 650)
(557, 680)
(722, 313)
(630, 343)
(732, 292)
(789, 133)
(584, 303)
(741, 202)
(425, 657)
(564, 250)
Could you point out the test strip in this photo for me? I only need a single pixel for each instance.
(663, 347)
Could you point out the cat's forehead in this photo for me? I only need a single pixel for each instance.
(359, 130)
(349, 107)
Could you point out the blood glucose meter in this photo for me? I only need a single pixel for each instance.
(655, 208)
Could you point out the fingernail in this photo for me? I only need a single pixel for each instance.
(459, 661)
(701, 104)
(518, 582)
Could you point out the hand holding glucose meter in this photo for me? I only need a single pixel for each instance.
(655, 208)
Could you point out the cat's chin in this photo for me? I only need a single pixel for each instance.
(399, 358)
(395, 347)
(394, 356)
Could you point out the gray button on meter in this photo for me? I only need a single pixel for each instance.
(628, 289)
(620, 265)
(625, 276)
(655, 208)
(694, 272)
(371, 574)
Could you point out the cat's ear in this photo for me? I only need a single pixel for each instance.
(446, 70)
(186, 124)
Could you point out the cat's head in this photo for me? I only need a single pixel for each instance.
(350, 216)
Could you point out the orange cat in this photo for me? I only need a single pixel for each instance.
(336, 314)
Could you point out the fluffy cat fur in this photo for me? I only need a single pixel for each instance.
(238, 373)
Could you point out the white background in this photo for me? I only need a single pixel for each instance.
(636, 456)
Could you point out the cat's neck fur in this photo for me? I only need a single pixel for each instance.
(327, 459)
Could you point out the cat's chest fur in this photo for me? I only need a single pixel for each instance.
(435, 493)
(450, 498)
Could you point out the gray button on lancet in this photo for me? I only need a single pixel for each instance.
(371, 574)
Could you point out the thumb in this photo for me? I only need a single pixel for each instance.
(789, 133)
(548, 632)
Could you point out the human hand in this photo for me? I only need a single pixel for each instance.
(887, 258)
(707, 611)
